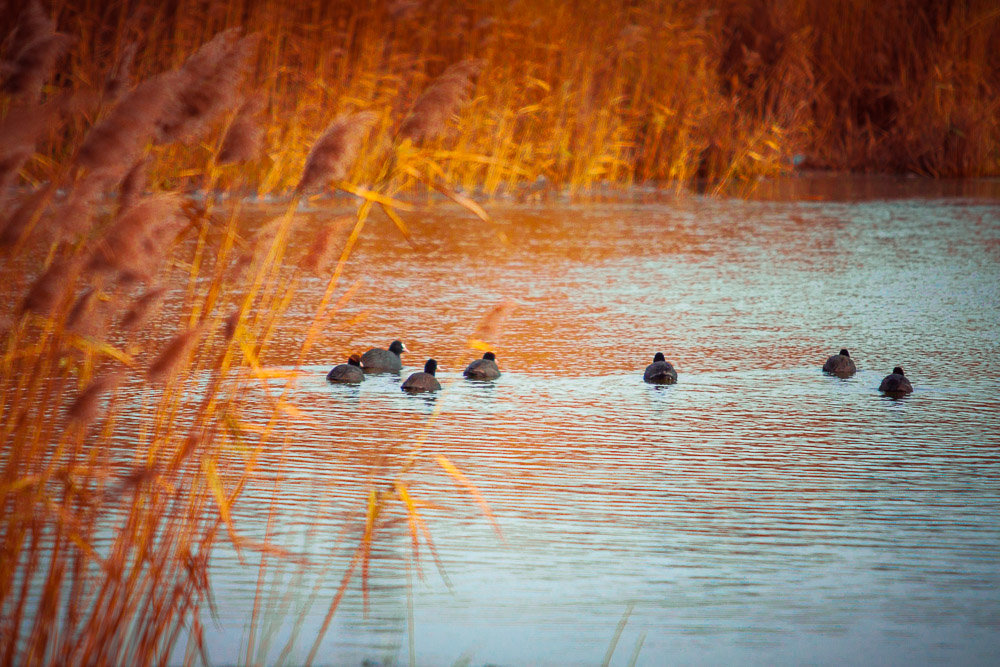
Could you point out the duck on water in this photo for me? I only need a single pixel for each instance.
(840, 365)
(423, 381)
(349, 373)
(377, 360)
(896, 383)
(483, 369)
(660, 371)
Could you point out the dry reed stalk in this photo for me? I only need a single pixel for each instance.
(439, 102)
(135, 244)
(114, 144)
(143, 308)
(174, 355)
(333, 153)
(209, 84)
(245, 136)
(85, 407)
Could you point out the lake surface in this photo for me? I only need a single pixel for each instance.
(757, 511)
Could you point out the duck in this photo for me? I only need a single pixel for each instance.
(377, 360)
(660, 371)
(896, 383)
(840, 365)
(423, 381)
(349, 373)
(483, 369)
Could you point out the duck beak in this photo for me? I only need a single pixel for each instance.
(405, 349)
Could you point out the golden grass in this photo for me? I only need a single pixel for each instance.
(90, 274)
(577, 95)
(301, 97)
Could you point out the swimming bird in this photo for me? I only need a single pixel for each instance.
(483, 369)
(349, 373)
(896, 383)
(660, 371)
(423, 381)
(840, 365)
(377, 360)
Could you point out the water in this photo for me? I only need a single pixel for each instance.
(756, 511)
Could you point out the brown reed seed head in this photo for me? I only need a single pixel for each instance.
(20, 130)
(324, 245)
(135, 244)
(245, 135)
(209, 84)
(18, 222)
(133, 185)
(334, 152)
(85, 408)
(173, 355)
(49, 288)
(76, 215)
(442, 99)
(89, 314)
(35, 46)
(143, 308)
(115, 143)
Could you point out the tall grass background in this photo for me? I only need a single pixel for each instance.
(114, 114)
(581, 93)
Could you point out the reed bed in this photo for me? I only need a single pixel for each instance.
(570, 95)
(108, 528)
(112, 113)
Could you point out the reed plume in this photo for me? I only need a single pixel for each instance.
(334, 152)
(174, 355)
(22, 218)
(114, 144)
(143, 309)
(36, 47)
(135, 244)
(324, 245)
(490, 325)
(51, 286)
(442, 99)
(75, 217)
(209, 84)
(85, 408)
(20, 130)
(133, 185)
(245, 135)
(88, 315)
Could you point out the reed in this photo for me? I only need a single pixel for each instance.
(588, 94)
(538, 95)
(91, 275)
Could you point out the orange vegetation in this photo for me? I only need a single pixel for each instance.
(575, 93)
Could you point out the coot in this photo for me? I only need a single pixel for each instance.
(896, 383)
(424, 380)
(349, 373)
(483, 369)
(840, 365)
(377, 360)
(660, 371)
